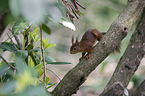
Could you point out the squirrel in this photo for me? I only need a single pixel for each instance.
(87, 43)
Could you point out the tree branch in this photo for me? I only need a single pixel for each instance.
(116, 89)
(7, 62)
(130, 60)
(42, 50)
(118, 30)
(140, 91)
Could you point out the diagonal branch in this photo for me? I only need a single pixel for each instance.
(140, 91)
(118, 30)
(7, 62)
(131, 59)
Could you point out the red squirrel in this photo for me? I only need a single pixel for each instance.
(87, 43)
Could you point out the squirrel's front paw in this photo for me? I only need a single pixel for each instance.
(88, 56)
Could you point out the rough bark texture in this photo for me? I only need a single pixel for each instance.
(130, 60)
(118, 30)
(140, 91)
(116, 89)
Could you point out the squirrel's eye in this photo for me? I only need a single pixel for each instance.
(75, 48)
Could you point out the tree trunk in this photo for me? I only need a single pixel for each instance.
(140, 91)
(118, 30)
(130, 60)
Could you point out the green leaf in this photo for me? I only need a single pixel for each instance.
(38, 69)
(47, 80)
(20, 60)
(49, 46)
(59, 63)
(3, 69)
(20, 26)
(33, 91)
(7, 88)
(49, 59)
(47, 40)
(35, 32)
(8, 47)
(30, 62)
(6, 71)
(46, 29)
(34, 35)
(40, 73)
(35, 50)
(30, 47)
(37, 38)
(46, 44)
(51, 85)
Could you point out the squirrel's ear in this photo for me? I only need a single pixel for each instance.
(72, 41)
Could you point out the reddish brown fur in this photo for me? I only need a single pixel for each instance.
(87, 42)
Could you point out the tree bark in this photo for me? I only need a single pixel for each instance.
(118, 30)
(131, 59)
(140, 91)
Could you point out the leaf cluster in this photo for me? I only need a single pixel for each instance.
(25, 69)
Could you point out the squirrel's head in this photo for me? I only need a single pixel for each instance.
(75, 48)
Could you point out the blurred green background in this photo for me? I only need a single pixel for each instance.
(99, 14)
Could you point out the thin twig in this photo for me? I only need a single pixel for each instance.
(42, 50)
(54, 74)
(7, 62)
(72, 8)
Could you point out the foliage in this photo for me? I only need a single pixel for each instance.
(25, 70)
(23, 74)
